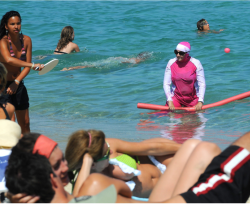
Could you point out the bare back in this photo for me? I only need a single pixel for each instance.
(70, 47)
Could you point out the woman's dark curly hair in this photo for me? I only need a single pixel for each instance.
(4, 21)
(66, 37)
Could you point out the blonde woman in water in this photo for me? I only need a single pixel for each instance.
(65, 44)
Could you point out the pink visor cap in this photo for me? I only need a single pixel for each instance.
(184, 47)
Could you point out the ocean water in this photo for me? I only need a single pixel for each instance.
(105, 96)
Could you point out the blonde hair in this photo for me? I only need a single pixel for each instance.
(66, 37)
(3, 76)
(78, 146)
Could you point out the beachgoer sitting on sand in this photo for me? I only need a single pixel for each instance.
(6, 109)
(203, 26)
(65, 44)
(37, 143)
(134, 60)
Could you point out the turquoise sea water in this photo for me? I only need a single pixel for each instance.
(105, 97)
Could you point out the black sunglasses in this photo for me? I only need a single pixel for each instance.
(180, 53)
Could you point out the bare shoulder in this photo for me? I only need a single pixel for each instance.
(71, 44)
(26, 38)
(4, 39)
(74, 46)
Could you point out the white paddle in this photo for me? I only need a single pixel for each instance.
(48, 66)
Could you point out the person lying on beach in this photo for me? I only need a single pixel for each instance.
(203, 26)
(32, 174)
(89, 151)
(65, 44)
(226, 179)
(6, 109)
(134, 60)
(37, 143)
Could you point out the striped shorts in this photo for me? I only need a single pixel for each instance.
(225, 180)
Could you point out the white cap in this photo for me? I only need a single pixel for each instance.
(10, 133)
(184, 47)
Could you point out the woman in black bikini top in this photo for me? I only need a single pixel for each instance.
(65, 44)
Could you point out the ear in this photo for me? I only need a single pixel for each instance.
(6, 27)
(54, 182)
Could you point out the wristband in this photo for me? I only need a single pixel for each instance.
(18, 82)
(33, 64)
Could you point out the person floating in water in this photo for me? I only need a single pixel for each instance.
(203, 26)
(65, 44)
(134, 60)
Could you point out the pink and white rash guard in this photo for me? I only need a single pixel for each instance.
(188, 82)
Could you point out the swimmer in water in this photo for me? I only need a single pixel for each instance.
(203, 26)
(134, 60)
(65, 44)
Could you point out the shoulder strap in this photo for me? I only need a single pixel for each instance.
(5, 111)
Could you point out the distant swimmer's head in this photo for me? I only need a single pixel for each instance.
(143, 55)
(68, 33)
(203, 25)
(14, 15)
(182, 50)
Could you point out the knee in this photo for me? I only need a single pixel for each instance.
(243, 141)
(208, 148)
(26, 125)
(24, 122)
(191, 143)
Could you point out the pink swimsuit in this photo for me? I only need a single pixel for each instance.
(188, 82)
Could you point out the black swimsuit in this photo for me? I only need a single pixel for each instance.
(60, 52)
(3, 100)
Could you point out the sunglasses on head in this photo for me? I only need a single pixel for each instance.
(106, 156)
(180, 53)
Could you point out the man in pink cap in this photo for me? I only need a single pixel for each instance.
(186, 75)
